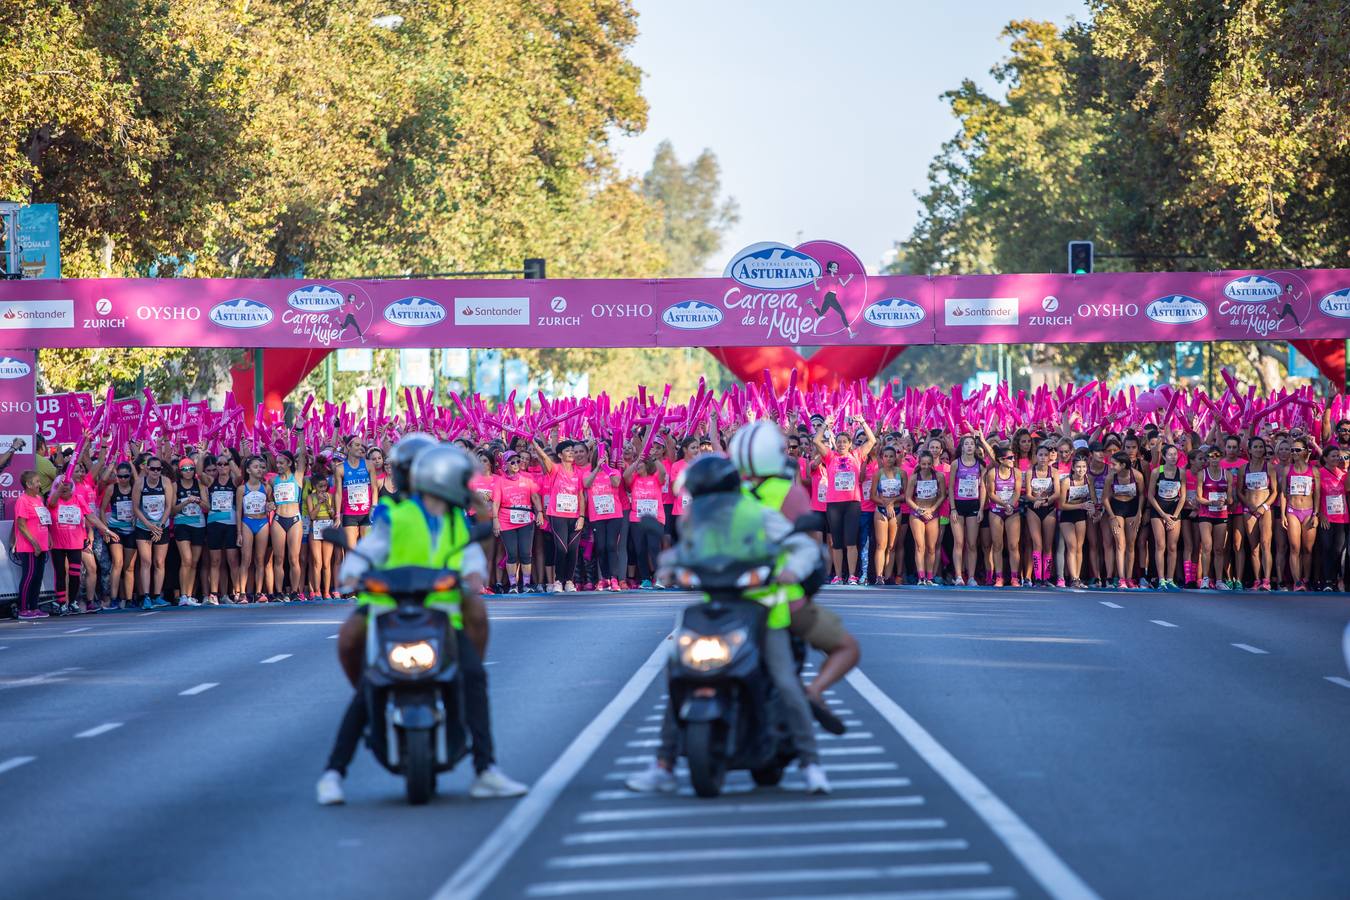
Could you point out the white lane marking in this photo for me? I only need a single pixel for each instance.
(99, 729)
(1163, 622)
(850, 736)
(850, 751)
(649, 729)
(482, 866)
(848, 784)
(792, 876)
(645, 742)
(645, 718)
(772, 809)
(44, 678)
(1250, 649)
(1110, 604)
(204, 686)
(4, 648)
(78, 630)
(989, 893)
(634, 760)
(682, 770)
(275, 659)
(1336, 679)
(834, 702)
(14, 762)
(1045, 866)
(332, 637)
(151, 613)
(719, 854)
(748, 831)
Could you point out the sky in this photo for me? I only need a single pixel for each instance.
(823, 115)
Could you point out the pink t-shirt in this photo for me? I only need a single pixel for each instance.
(647, 498)
(564, 493)
(67, 528)
(869, 476)
(668, 489)
(38, 518)
(513, 498)
(817, 486)
(603, 498)
(1333, 495)
(842, 477)
(483, 486)
(677, 501)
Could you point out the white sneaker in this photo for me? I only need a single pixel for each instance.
(329, 789)
(556, 587)
(495, 783)
(211, 601)
(188, 601)
(816, 782)
(651, 781)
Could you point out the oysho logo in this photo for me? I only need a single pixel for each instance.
(1336, 304)
(770, 266)
(1252, 289)
(38, 314)
(169, 313)
(414, 312)
(1108, 310)
(315, 298)
(241, 312)
(692, 315)
(1176, 309)
(492, 310)
(894, 312)
(981, 311)
(14, 368)
(621, 310)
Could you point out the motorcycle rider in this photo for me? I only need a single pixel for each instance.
(427, 528)
(759, 452)
(722, 519)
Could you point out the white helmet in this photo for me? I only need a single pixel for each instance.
(758, 450)
(444, 471)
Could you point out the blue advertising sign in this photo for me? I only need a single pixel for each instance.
(39, 241)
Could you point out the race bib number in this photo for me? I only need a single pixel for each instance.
(1123, 490)
(565, 503)
(69, 515)
(519, 516)
(191, 511)
(1078, 492)
(221, 501)
(1300, 485)
(1004, 495)
(1041, 486)
(1169, 490)
(604, 504)
(122, 510)
(320, 526)
(925, 490)
(285, 493)
(44, 515)
(1218, 500)
(1335, 504)
(1257, 481)
(844, 481)
(153, 506)
(255, 504)
(646, 507)
(968, 487)
(890, 487)
(358, 495)
(867, 489)
(821, 488)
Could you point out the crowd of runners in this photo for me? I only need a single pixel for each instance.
(1130, 499)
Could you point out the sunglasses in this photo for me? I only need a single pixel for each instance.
(156, 469)
(123, 474)
(1300, 449)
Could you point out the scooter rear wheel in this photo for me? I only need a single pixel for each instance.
(419, 766)
(767, 776)
(707, 770)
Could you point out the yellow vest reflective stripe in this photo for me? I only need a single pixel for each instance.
(411, 544)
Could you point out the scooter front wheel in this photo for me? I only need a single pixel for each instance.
(419, 765)
(707, 770)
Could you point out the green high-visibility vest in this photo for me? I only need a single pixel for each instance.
(411, 544)
(747, 532)
(772, 492)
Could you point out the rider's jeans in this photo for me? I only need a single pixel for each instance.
(783, 670)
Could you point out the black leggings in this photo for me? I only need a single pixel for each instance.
(608, 533)
(519, 544)
(66, 569)
(1331, 547)
(30, 578)
(566, 539)
(843, 518)
(643, 548)
(831, 302)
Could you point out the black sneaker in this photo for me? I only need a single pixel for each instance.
(828, 720)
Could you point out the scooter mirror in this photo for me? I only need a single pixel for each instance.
(336, 536)
(812, 521)
(480, 531)
(651, 526)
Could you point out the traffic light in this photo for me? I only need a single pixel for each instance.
(534, 268)
(1080, 257)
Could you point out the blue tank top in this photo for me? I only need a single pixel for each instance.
(285, 490)
(255, 503)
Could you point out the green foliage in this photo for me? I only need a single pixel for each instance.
(692, 219)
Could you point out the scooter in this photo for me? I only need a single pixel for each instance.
(411, 682)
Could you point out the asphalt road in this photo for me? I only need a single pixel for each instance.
(1008, 744)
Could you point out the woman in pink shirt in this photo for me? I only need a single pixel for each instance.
(68, 535)
(565, 511)
(32, 521)
(843, 498)
(644, 479)
(604, 485)
(516, 509)
(1331, 536)
(481, 488)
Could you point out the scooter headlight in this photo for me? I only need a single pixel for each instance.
(686, 578)
(412, 658)
(754, 577)
(705, 652)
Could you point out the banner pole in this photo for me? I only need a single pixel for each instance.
(257, 376)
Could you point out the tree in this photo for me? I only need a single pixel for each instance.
(693, 221)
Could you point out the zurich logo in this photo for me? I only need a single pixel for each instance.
(1252, 289)
(315, 298)
(1336, 304)
(241, 312)
(13, 368)
(769, 266)
(414, 312)
(894, 312)
(692, 315)
(1176, 309)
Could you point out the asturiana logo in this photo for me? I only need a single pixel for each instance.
(894, 312)
(773, 267)
(13, 368)
(315, 298)
(414, 312)
(1336, 304)
(1252, 289)
(692, 315)
(1176, 309)
(241, 312)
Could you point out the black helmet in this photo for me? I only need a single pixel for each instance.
(402, 455)
(444, 471)
(711, 475)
